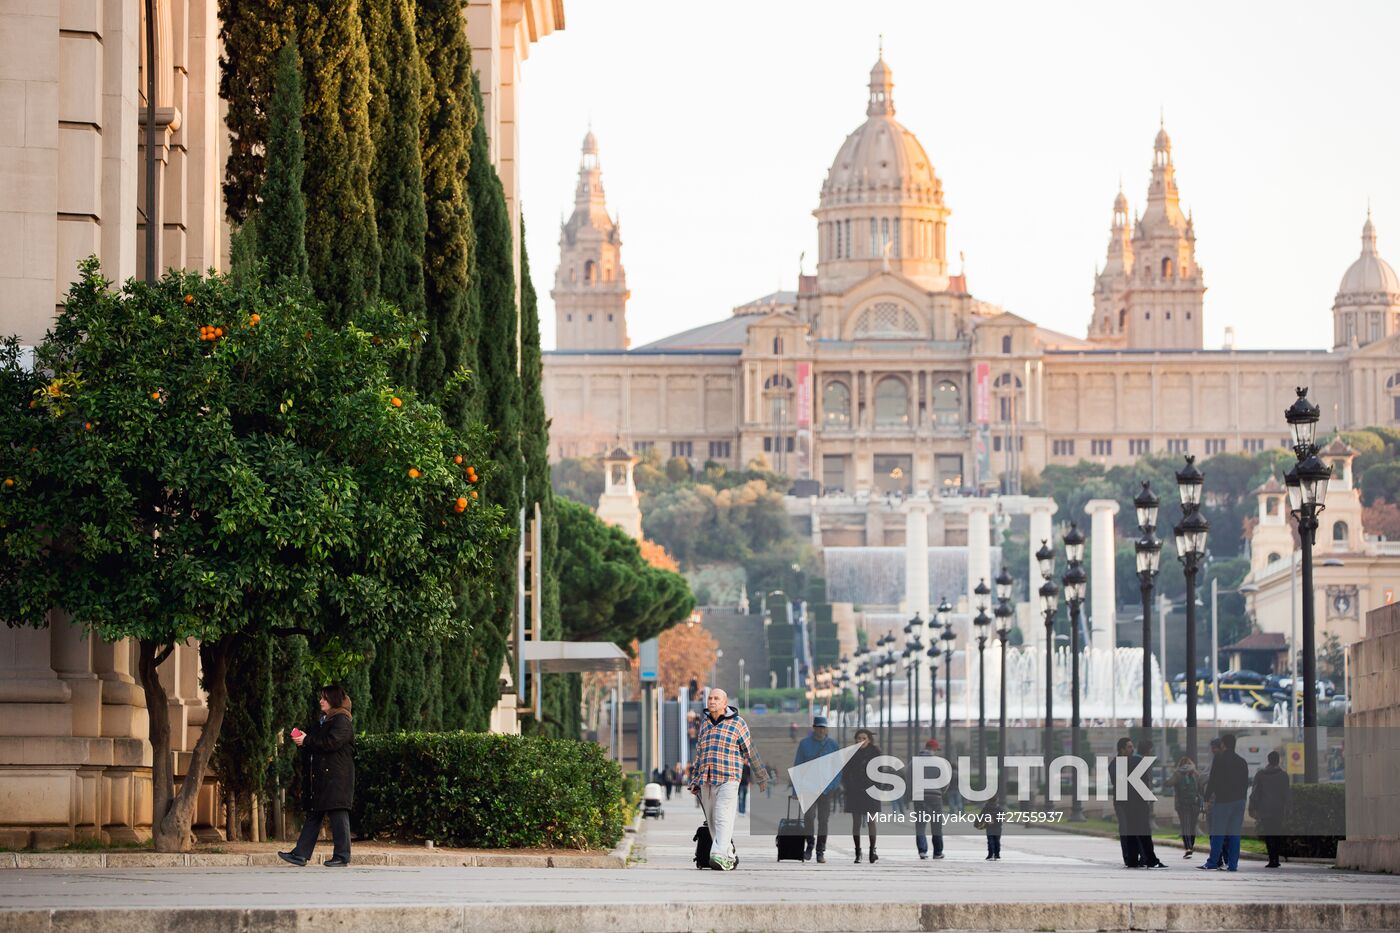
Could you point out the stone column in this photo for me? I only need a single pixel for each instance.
(72, 661)
(916, 556)
(1041, 530)
(33, 700)
(1103, 593)
(979, 549)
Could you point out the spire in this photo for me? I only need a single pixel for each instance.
(881, 88)
(589, 193)
(1368, 235)
(1163, 212)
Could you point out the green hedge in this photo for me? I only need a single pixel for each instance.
(1316, 820)
(490, 791)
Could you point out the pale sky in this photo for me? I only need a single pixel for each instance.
(717, 122)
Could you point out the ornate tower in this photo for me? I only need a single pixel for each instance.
(1111, 285)
(590, 287)
(1367, 307)
(1167, 289)
(619, 504)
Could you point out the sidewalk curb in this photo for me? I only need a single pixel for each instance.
(774, 917)
(1244, 856)
(19, 861)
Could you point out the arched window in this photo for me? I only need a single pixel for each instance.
(836, 405)
(947, 405)
(778, 382)
(1122, 318)
(1273, 556)
(590, 272)
(891, 402)
(1339, 532)
(1166, 267)
(1006, 344)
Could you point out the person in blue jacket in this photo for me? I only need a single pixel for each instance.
(814, 746)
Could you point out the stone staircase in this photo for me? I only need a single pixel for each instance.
(739, 636)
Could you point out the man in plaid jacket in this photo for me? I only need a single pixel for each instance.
(721, 749)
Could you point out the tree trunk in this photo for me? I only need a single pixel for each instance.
(278, 831)
(172, 814)
(230, 816)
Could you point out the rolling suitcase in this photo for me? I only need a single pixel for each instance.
(792, 836)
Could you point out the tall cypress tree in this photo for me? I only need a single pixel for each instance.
(342, 242)
(448, 116)
(395, 108)
(497, 388)
(251, 32)
(281, 225)
(561, 715)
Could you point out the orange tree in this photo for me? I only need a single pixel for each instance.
(203, 460)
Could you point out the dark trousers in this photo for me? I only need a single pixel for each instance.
(1275, 846)
(1147, 850)
(1128, 841)
(743, 796)
(816, 817)
(922, 830)
(994, 844)
(311, 830)
(1186, 821)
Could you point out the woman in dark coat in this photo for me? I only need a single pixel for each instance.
(1186, 782)
(1268, 804)
(328, 769)
(855, 787)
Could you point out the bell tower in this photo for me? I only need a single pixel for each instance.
(590, 287)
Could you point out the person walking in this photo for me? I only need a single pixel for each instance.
(328, 773)
(1123, 809)
(856, 788)
(668, 780)
(723, 746)
(928, 814)
(745, 778)
(1185, 783)
(814, 745)
(1226, 790)
(992, 815)
(1269, 801)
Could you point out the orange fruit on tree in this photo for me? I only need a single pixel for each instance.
(218, 332)
(473, 493)
(189, 299)
(87, 425)
(10, 484)
(396, 402)
(413, 473)
(457, 459)
(156, 396)
(461, 503)
(254, 318)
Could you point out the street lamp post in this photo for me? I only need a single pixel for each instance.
(1049, 602)
(1074, 582)
(913, 659)
(1190, 548)
(1003, 612)
(1307, 494)
(980, 623)
(948, 637)
(1149, 556)
(940, 624)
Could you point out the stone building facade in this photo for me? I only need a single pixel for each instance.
(883, 375)
(74, 753)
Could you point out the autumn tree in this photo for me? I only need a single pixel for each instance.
(198, 460)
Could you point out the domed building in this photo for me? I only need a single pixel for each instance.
(882, 376)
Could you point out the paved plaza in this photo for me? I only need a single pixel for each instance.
(1043, 882)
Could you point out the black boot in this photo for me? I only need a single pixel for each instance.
(857, 853)
(873, 857)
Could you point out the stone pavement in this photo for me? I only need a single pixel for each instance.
(1042, 883)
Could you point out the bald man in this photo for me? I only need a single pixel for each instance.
(721, 750)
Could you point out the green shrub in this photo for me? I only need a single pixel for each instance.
(489, 791)
(770, 697)
(633, 783)
(1316, 820)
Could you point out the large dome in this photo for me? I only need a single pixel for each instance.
(881, 162)
(1370, 280)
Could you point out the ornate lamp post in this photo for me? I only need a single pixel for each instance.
(1190, 548)
(1309, 478)
(913, 659)
(1049, 602)
(940, 624)
(1074, 582)
(862, 677)
(1003, 612)
(980, 622)
(948, 637)
(1149, 556)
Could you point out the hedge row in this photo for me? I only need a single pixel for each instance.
(481, 790)
(1316, 820)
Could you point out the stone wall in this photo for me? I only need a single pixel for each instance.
(1373, 748)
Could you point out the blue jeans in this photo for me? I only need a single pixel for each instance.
(925, 809)
(743, 796)
(1226, 824)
